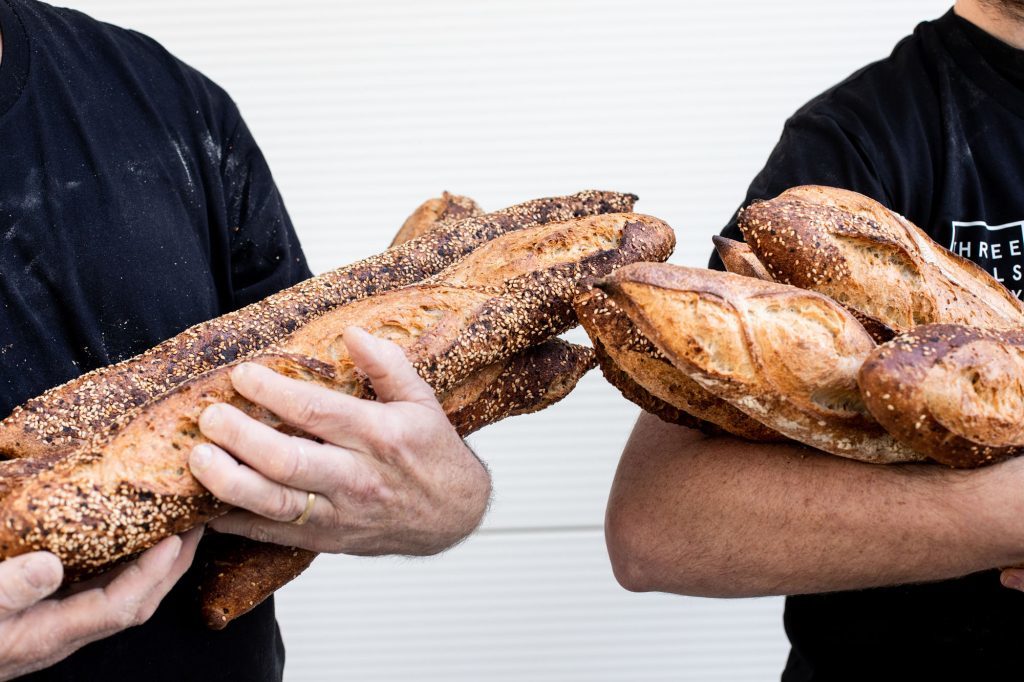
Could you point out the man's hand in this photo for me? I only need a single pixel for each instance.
(391, 477)
(36, 632)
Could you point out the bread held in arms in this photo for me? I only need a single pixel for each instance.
(69, 415)
(642, 373)
(873, 261)
(239, 573)
(952, 393)
(130, 486)
(784, 356)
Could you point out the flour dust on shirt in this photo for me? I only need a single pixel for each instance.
(134, 203)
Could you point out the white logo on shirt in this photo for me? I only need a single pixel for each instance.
(999, 249)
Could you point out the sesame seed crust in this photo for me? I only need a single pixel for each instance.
(129, 486)
(68, 415)
(433, 211)
(873, 261)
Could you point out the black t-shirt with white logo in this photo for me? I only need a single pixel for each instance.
(133, 203)
(935, 132)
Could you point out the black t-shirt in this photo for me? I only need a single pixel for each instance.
(935, 132)
(133, 204)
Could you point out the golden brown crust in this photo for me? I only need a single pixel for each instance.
(643, 375)
(129, 487)
(239, 573)
(785, 356)
(952, 393)
(68, 415)
(873, 261)
(739, 259)
(431, 212)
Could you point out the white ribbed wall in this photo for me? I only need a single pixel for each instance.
(364, 109)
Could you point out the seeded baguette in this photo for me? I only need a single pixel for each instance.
(239, 573)
(249, 572)
(69, 415)
(785, 356)
(129, 487)
(631, 363)
(952, 393)
(873, 261)
(431, 212)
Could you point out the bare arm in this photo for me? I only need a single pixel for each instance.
(717, 516)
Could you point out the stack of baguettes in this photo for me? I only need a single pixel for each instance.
(839, 325)
(96, 469)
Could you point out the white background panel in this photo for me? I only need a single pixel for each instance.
(364, 109)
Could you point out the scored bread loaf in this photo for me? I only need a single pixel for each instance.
(433, 211)
(68, 415)
(631, 363)
(785, 356)
(873, 261)
(951, 392)
(130, 486)
(239, 573)
(739, 259)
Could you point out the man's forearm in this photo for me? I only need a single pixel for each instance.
(723, 517)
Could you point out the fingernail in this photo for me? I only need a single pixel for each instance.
(1011, 581)
(243, 370)
(178, 544)
(210, 416)
(42, 572)
(200, 458)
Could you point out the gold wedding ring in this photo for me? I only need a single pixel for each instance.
(304, 516)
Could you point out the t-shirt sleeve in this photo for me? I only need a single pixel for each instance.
(264, 251)
(813, 150)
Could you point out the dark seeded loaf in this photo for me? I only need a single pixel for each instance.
(129, 487)
(70, 414)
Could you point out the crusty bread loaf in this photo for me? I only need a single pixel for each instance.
(873, 261)
(239, 573)
(785, 356)
(242, 573)
(434, 211)
(739, 259)
(952, 393)
(130, 486)
(631, 363)
(70, 414)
